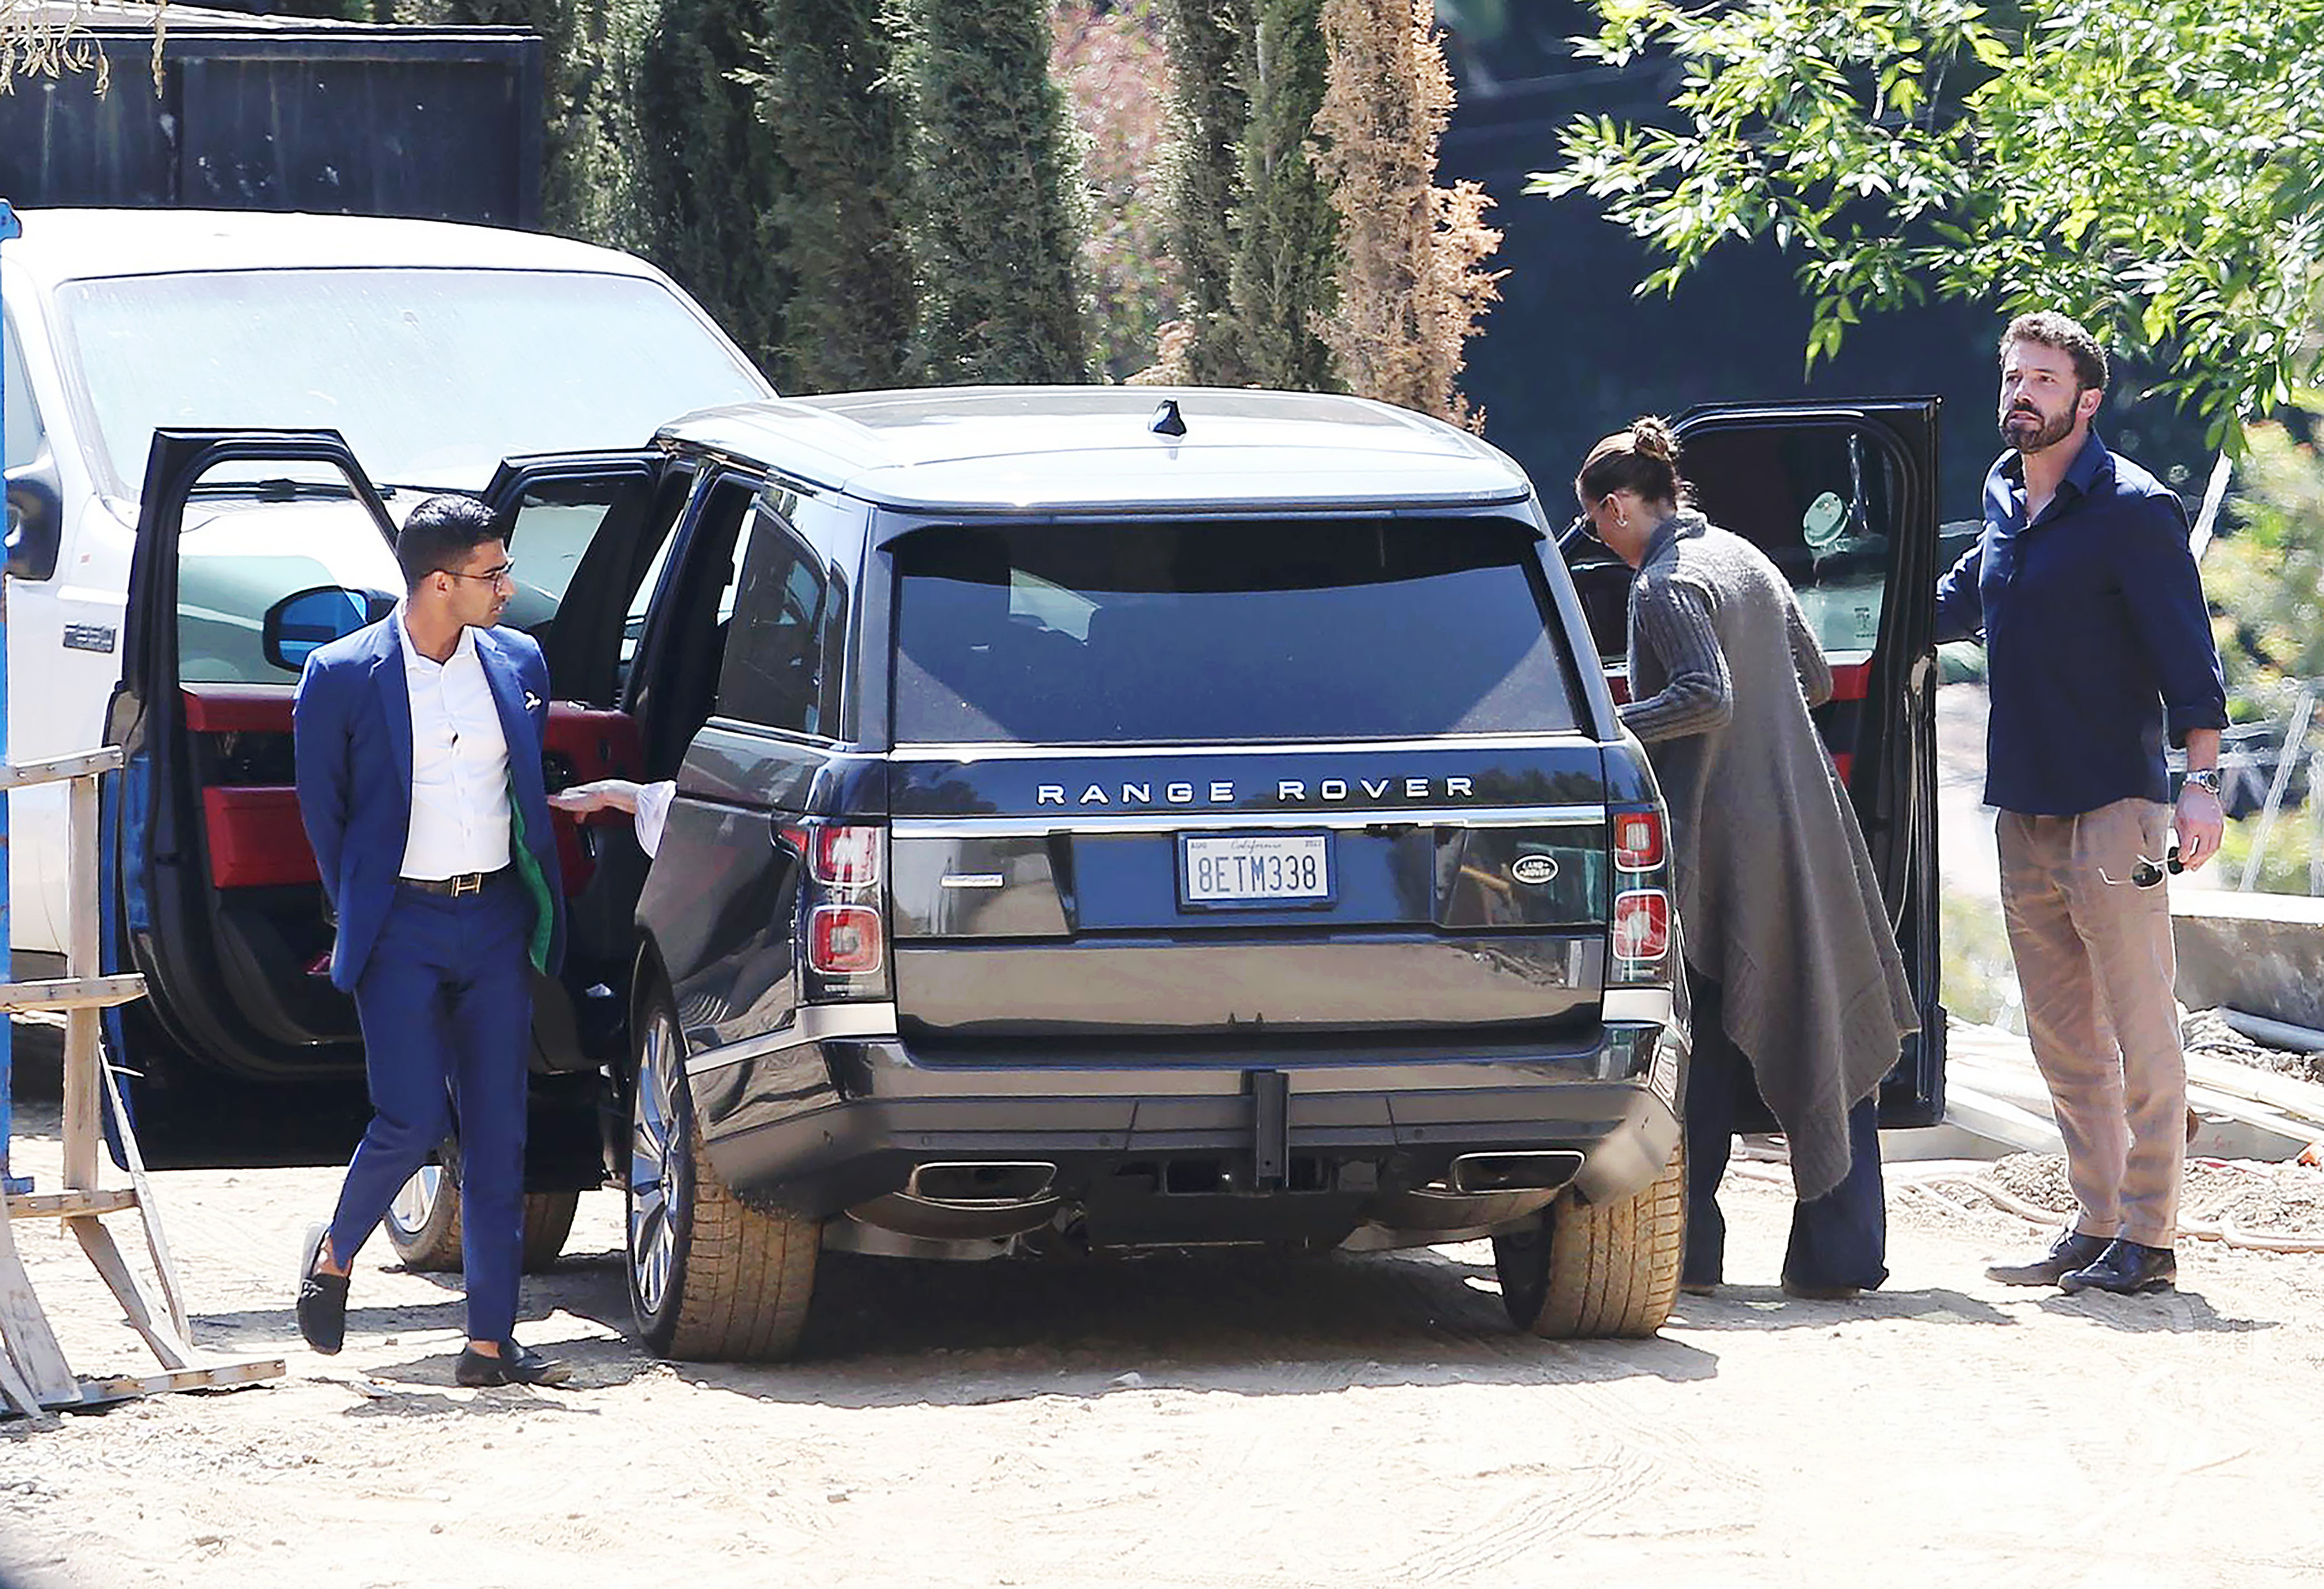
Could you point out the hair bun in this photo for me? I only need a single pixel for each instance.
(1651, 437)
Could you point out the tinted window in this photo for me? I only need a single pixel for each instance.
(1821, 501)
(773, 671)
(1160, 633)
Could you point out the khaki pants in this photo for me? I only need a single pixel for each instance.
(2095, 964)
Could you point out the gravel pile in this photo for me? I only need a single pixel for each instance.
(2241, 1194)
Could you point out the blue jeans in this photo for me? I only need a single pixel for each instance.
(446, 1004)
(1839, 1239)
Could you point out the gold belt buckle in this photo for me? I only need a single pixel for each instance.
(467, 882)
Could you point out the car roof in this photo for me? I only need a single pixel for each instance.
(1067, 448)
(74, 244)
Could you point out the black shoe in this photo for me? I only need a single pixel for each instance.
(2126, 1268)
(2068, 1253)
(322, 1306)
(516, 1365)
(1814, 1293)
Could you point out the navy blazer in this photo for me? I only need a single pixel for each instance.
(352, 727)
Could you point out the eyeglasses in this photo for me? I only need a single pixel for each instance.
(2147, 873)
(505, 574)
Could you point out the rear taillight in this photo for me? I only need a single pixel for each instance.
(845, 941)
(1642, 925)
(1638, 841)
(842, 909)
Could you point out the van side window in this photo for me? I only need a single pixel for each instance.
(24, 420)
(773, 672)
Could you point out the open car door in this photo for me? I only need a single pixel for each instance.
(254, 548)
(1843, 499)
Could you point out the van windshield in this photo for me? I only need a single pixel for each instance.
(1192, 633)
(432, 375)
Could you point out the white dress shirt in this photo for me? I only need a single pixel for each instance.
(459, 764)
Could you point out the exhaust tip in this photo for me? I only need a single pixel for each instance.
(986, 1184)
(1513, 1171)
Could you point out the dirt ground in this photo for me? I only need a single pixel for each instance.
(1202, 1420)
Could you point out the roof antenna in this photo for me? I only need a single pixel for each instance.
(1166, 420)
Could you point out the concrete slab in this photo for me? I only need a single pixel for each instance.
(2262, 953)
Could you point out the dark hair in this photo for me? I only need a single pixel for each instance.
(2049, 328)
(1642, 459)
(440, 534)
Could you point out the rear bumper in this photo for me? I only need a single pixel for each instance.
(834, 1117)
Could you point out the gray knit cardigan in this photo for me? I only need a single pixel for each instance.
(1778, 899)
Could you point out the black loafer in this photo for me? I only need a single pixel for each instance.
(322, 1306)
(2127, 1269)
(516, 1365)
(2071, 1251)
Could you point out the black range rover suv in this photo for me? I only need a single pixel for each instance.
(1105, 818)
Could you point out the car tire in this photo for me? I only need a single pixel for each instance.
(423, 1222)
(1579, 1269)
(710, 1279)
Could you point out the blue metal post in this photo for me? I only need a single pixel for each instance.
(8, 228)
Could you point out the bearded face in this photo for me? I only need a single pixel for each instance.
(2041, 397)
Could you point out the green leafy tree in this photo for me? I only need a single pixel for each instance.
(2151, 166)
(997, 220)
(2265, 580)
(832, 107)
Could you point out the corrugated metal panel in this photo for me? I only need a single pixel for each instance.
(441, 123)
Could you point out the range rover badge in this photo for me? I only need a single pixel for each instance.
(1534, 869)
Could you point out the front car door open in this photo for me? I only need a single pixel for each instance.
(1843, 499)
(252, 548)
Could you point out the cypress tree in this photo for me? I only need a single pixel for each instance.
(714, 179)
(1284, 281)
(833, 108)
(997, 230)
(1209, 111)
(1412, 281)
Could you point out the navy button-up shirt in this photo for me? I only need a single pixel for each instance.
(2096, 635)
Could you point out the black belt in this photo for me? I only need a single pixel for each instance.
(454, 887)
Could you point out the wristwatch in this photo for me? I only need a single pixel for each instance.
(2206, 778)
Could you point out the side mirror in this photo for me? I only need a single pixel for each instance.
(36, 519)
(299, 623)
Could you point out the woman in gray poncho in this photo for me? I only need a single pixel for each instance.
(1795, 977)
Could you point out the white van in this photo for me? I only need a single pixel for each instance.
(435, 350)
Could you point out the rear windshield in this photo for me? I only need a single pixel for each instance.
(1159, 633)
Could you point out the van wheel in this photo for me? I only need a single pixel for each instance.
(1579, 1269)
(423, 1222)
(710, 1279)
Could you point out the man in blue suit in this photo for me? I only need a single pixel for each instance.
(419, 781)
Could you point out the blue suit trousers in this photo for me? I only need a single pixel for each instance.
(446, 1004)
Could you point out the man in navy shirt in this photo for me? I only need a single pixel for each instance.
(2097, 644)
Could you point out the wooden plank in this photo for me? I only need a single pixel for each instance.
(81, 764)
(216, 1377)
(82, 1059)
(24, 1331)
(71, 994)
(157, 1247)
(173, 1350)
(64, 1205)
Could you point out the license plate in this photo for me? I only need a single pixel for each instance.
(1253, 870)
